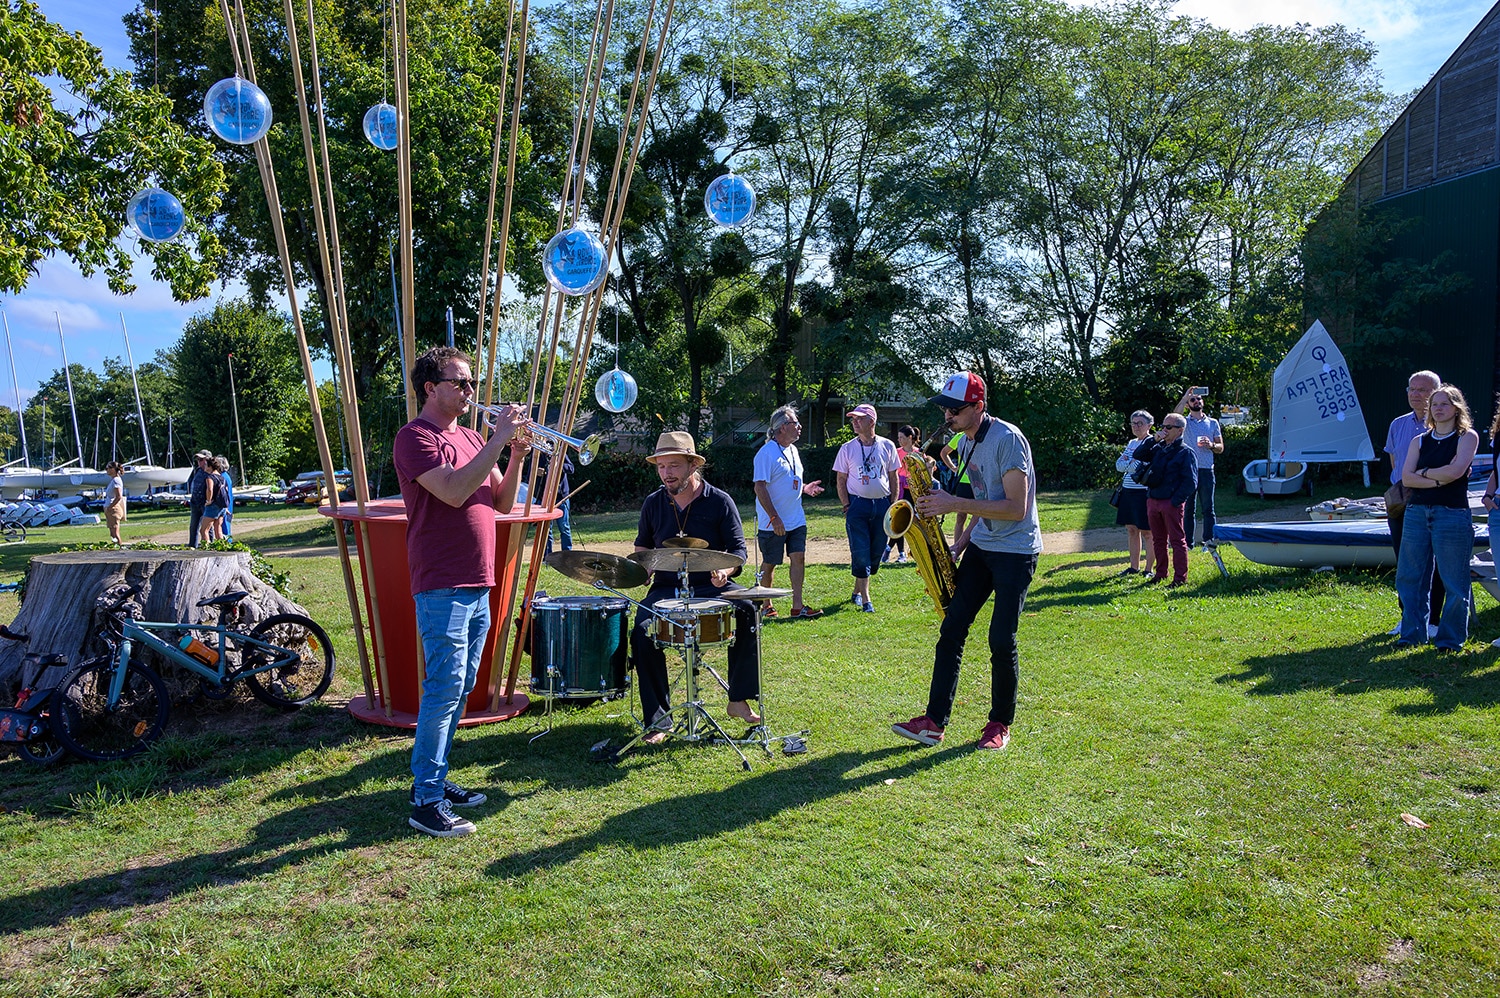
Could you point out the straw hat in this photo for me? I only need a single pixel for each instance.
(673, 443)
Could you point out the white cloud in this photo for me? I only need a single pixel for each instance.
(1383, 21)
(36, 310)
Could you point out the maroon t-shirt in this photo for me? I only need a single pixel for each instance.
(445, 546)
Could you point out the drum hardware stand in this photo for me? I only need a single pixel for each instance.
(692, 708)
(549, 696)
(760, 734)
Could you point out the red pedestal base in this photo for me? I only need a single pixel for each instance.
(380, 537)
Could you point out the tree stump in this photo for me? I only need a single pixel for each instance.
(60, 616)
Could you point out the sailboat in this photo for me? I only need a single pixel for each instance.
(142, 476)
(21, 466)
(1315, 417)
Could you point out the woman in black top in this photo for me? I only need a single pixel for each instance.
(1437, 524)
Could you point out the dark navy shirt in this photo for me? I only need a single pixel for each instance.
(712, 516)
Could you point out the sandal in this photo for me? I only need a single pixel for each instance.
(767, 611)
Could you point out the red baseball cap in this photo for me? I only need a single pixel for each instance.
(962, 388)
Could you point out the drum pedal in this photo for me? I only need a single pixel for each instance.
(793, 745)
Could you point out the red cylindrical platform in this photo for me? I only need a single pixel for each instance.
(388, 571)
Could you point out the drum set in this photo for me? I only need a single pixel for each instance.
(580, 644)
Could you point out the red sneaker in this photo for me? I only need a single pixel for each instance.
(805, 613)
(995, 736)
(919, 729)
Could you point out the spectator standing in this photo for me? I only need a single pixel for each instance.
(908, 441)
(1171, 480)
(211, 525)
(1439, 526)
(1204, 438)
(780, 524)
(867, 481)
(1131, 513)
(1403, 430)
(221, 463)
(197, 494)
(564, 523)
(114, 501)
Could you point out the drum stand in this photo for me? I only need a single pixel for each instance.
(760, 734)
(692, 710)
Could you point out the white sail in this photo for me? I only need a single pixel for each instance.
(1315, 413)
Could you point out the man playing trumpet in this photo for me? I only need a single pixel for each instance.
(451, 488)
(687, 506)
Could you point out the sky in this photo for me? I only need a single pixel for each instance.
(1413, 37)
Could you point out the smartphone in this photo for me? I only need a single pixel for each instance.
(1200, 392)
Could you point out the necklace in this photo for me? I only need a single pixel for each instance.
(681, 517)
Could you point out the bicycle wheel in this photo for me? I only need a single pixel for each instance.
(84, 722)
(44, 750)
(297, 683)
(14, 533)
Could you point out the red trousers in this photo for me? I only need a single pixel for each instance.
(1166, 531)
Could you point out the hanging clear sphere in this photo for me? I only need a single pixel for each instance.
(382, 126)
(155, 214)
(615, 390)
(238, 111)
(730, 200)
(574, 261)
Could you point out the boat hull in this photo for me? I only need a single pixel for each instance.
(1339, 543)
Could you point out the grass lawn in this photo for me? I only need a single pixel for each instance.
(1204, 796)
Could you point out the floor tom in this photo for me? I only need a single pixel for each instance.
(579, 646)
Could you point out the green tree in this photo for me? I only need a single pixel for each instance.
(266, 374)
(70, 163)
(455, 75)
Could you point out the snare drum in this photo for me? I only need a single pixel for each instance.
(583, 639)
(714, 617)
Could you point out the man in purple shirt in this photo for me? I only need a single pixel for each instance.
(452, 488)
(1405, 429)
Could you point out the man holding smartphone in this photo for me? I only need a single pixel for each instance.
(1204, 438)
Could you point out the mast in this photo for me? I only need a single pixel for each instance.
(16, 384)
(72, 406)
(139, 412)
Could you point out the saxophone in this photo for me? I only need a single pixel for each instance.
(924, 534)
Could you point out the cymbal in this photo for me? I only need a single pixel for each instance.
(596, 566)
(684, 542)
(692, 559)
(756, 592)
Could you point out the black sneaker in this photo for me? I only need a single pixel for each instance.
(455, 795)
(438, 819)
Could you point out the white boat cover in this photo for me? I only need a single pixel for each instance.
(1315, 413)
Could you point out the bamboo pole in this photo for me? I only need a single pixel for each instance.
(489, 218)
(239, 39)
(399, 49)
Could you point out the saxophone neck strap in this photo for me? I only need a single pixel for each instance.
(984, 427)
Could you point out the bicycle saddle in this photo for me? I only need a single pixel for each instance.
(227, 599)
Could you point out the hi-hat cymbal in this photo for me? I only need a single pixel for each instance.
(684, 542)
(596, 566)
(691, 559)
(756, 592)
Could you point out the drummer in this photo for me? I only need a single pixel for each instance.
(686, 506)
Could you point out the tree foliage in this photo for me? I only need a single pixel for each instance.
(71, 160)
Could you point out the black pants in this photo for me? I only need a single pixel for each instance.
(1435, 581)
(197, 512)
(651, 661)
(979, 574)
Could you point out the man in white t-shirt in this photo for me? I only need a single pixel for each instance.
(868, 469)
(781, 526)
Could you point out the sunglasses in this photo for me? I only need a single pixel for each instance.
(956, 410)
(462, 384)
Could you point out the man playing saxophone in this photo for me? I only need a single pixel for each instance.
(1004, 542)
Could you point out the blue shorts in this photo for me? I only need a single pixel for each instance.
(772, 547)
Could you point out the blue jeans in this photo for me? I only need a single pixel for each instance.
(564, 528)
(453, 624)
(1204, 500)
(1444, 535)
(980, 573)
(865, 524)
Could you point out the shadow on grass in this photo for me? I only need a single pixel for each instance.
(709, 813)
(1372, 663)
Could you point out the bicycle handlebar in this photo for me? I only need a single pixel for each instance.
(10, 635)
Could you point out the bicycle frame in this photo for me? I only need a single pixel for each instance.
(141, 630)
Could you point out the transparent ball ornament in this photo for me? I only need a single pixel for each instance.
(574, 262)
(615, 390)
(382, 126)
(238, 111)
(155, 215)
(730, 200)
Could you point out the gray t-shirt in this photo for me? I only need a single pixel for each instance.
(1205, 427)
(1001, 447)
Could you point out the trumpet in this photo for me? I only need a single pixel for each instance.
(548, 440)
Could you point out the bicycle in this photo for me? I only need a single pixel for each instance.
(29, 724)
(114, 706)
